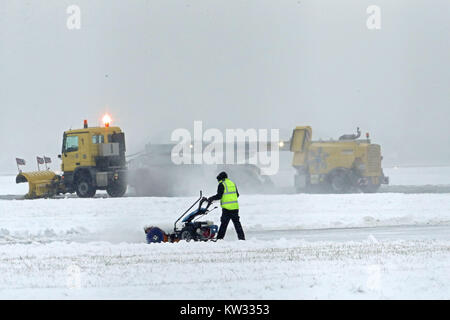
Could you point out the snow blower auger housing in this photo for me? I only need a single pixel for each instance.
(190, 229)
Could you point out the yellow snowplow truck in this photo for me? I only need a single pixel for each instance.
(348, 164)
(92, 159)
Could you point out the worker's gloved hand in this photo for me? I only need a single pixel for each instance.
(210, 200)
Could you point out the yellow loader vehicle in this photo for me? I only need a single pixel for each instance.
(92, 159)
(348, 164)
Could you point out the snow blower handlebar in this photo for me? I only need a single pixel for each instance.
(175, 224)
(200, 201)
(204, 199)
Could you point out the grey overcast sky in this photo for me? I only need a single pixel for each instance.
(158, 65)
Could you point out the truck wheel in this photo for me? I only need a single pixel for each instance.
(84, 187)
(340, 182)
(116, 190)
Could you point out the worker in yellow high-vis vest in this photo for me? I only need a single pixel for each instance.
(228, 194)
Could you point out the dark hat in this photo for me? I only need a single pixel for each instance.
(222, 176)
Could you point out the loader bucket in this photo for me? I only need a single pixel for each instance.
(41, 184)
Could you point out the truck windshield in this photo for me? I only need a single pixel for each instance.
(71, 144)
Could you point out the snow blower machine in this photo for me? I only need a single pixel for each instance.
(189, 229)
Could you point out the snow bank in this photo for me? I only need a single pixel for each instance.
(123, 220)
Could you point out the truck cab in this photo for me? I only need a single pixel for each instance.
(94, 159)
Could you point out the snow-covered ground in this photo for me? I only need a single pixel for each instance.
(95, 248)
(279, 269)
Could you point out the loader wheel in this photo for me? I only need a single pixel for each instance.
(370, 188)
(116, 190)
(84, 187)
(340, 182)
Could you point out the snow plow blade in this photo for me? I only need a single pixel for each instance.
(42, 184)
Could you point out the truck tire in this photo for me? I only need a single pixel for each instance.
(84, 187)
(116, 190)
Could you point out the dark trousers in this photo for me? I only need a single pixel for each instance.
(232, 215)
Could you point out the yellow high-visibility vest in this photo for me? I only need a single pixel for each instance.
(229, 199)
